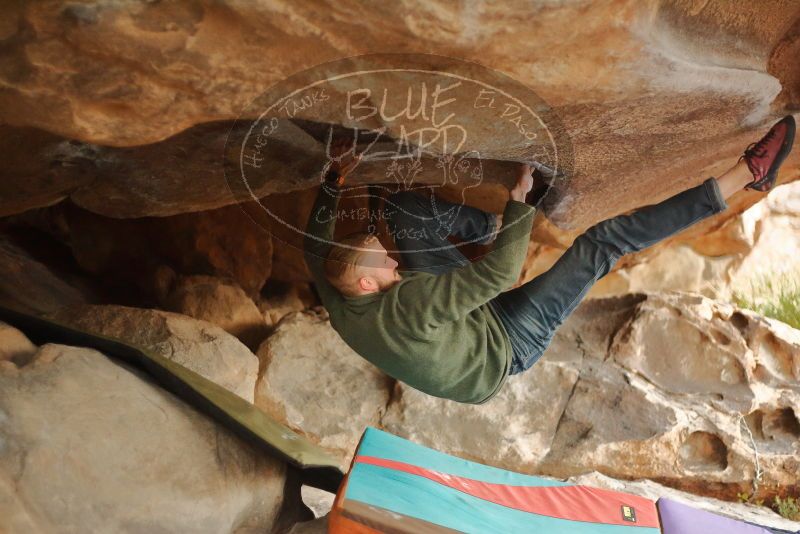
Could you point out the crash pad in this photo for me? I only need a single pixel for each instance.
(400, 486)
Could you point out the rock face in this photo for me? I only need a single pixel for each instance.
(220, 302)
(225, 242)
(201, 346)
(122, 117)
(313, 382)
(656, 386)
(775, 225)
(663, 386)
(28, 284)
(675, 92)
(646, 488)
(14, 346)
(514, 429)
(281, 299)
(90, 445)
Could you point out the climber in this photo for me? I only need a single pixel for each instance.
(452, 328)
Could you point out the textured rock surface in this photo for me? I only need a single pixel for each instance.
(775, 223)
(220, 302)
(313, 382)
(281, 299)
(14, 346)
(673, 93)
(124, 109)
(201, 346)
(319, 501)
(89, 445)
(517, 426)
(36, 160)
(26, 283)
(224, 242)
(645, 386)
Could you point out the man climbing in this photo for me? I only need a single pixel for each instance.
(449, 327)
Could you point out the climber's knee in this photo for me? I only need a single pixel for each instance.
(605, 238)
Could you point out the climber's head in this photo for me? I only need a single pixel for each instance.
(359, 265)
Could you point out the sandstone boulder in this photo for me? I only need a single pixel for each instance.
(225, 242)
(677, 402)
(663, 386)
(42, 167)
(775, 222)
(313, 382)
(15, 346)
(221, 302)
(28, 284)
(281, 299)
(320, 502)
(198, 345)
(517, 425)
(675, 92)
(91, 445)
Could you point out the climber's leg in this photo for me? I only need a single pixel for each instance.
(734, 179)
(532, 312)
(420, 223)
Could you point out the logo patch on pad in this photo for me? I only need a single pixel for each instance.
(628, 514)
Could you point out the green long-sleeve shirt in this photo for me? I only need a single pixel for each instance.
(436, 333)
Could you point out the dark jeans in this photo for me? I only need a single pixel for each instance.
(532, 312)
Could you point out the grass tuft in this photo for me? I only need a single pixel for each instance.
(776, 296)
(788, 507)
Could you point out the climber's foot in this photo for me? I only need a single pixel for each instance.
(764, 157)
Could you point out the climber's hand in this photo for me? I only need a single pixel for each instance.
(343, 157)
(524, 183)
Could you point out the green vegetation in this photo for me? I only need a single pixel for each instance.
(745, 498)
(775, 296)
(788, 507)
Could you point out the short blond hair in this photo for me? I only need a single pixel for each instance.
(343, 259)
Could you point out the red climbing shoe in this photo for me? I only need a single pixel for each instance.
(766, 156)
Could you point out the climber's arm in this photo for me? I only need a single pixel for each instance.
(431, 301)
(319, 236)
(322, 219)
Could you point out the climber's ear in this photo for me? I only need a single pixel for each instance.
(367, 283)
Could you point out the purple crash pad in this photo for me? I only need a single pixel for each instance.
(679, 518)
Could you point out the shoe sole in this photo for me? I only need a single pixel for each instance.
(786, 148)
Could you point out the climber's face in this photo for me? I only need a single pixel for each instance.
(377, 271)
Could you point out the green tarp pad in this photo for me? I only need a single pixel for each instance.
(317, 467)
